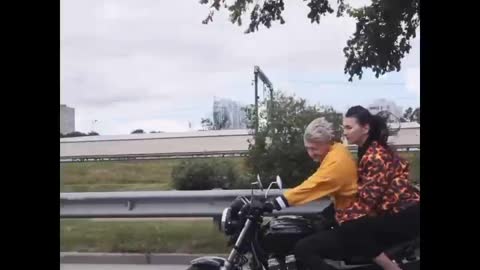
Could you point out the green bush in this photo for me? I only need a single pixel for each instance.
(415, 168)
(244, 181)
(202, 174)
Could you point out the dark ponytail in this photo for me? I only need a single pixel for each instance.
(378, 127)
(378, 130)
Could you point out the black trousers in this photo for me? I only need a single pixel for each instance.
(366, 237)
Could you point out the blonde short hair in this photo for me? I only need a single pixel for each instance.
(319, 130)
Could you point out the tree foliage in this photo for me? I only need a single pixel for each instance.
(207, 124)
(220, 120)
(278, 148)
(78, 134)
(416, 115)
(384, 29)
(74, 134)
(411, 115)
(138, 131)
(406, 114)
(203, 174)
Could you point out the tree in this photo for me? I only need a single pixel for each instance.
(74, 134)
(93, 133)
(411, 115)
(220, 120)
(407, 114)
(138, 131)
(384, 29)
(416, 115)
(278, 146)
(207, 124)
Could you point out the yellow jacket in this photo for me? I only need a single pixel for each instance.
(336, 177)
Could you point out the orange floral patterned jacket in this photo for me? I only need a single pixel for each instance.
(383, 186)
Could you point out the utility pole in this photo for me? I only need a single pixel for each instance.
(93, 125)
(256, 100)
(258, 73)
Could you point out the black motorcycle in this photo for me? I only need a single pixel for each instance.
(266, 243)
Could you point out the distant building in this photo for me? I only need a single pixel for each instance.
(229, 111)
(409, 134)
(385, 105)
(67, 119)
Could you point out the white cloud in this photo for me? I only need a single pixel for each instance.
(128, 63)
(413, 80)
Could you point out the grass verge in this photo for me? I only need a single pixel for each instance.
(157, 236)
(134, 175)
(145, 175)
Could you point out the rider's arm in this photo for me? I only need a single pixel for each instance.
(325, 181)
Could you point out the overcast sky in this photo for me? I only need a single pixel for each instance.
(153, 65)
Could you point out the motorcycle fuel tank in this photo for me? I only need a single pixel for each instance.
(280, 234)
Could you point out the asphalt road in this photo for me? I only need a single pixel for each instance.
(121, 267)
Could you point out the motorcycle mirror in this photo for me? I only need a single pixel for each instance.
(259, 182)
(279, 182)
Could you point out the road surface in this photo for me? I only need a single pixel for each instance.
(122, 267)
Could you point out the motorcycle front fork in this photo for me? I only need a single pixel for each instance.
(233, 254)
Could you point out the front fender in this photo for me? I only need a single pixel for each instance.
(210, 262)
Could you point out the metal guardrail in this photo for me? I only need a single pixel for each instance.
(86, 158)
(397, 147)
(203, 203)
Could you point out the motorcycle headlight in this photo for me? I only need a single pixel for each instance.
(230, 219)
(226, 220)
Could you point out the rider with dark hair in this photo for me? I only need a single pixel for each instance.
(385, 211)
(384, 186)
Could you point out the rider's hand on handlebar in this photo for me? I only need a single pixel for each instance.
(270, 205)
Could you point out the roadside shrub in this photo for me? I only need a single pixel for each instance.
(204, 174)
